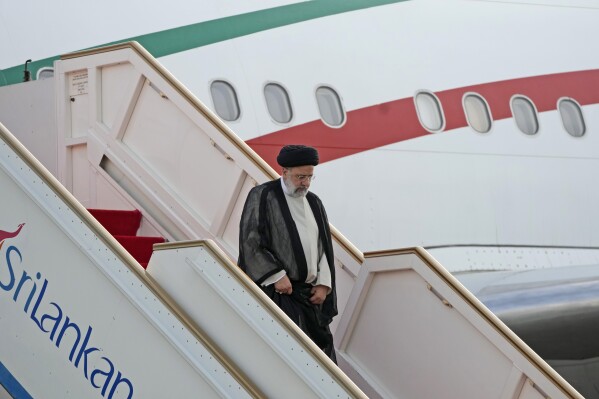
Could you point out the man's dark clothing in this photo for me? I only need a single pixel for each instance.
(269, 242)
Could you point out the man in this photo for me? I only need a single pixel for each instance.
(285, 246)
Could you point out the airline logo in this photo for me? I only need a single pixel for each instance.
(4, 235)
(21, 287)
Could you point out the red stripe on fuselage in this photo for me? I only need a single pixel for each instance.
(395, 121)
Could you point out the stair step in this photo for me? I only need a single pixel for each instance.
(139, 247)
(118, 222)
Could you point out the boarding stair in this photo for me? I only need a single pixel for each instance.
(81, 317)
(153, 146)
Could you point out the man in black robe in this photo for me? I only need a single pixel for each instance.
(285, 246)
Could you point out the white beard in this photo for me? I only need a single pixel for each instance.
(294, 191)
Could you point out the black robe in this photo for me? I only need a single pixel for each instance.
(269, 242)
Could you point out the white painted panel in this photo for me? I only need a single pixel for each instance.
(117, 84)
(529, 391)
(107, 197)
(77, 90)
(231, 233)
(79, 115)
(28, 110)
(344, 281)
(179, 153)
(80, 174)
(411, 330)
(405, 335)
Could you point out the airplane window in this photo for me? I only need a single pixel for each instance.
(477, 113)
(329, 105)
(525, 115)
(45, 73)
(225, 100)
(572, 118)
(429, 111)
(278, 103)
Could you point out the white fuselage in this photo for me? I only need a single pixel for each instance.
(454, 187)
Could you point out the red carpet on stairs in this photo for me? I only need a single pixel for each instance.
(139, 247)
(123, 225)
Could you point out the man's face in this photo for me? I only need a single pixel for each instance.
(298, 179)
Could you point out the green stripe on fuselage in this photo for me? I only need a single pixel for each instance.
(188, 37)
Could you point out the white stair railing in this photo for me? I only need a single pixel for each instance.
(411, 330)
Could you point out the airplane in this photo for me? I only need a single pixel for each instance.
(464, 127)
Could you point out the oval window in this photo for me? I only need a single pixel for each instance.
(477, 113)
(429, 111)
(278, 103)
(525, 115)
(45, 73)
(329, 105)
(572, 118)
(225, 100)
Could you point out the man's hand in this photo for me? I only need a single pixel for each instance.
(319, 293)
(283, 286)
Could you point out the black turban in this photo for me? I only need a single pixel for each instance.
(297, 155)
